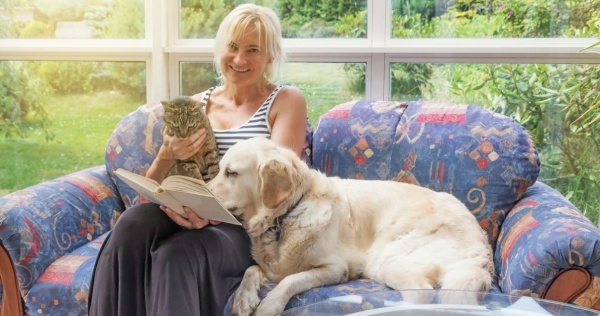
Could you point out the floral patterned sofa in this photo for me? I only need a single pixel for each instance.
(544, 247)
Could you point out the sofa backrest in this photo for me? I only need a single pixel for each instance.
(484, 159)
(135, 143)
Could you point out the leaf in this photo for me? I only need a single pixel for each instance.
(522, 86)
(591, 46)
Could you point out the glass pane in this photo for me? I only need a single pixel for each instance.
(83, 19)
(196, 77)
(495, 19)
(325, 85)
(56, 117)
(559, 104)
(299, 19)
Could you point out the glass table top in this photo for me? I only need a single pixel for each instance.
(437, 302)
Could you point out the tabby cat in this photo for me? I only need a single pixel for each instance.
(182, 117)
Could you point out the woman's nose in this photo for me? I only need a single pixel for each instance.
(238, 56)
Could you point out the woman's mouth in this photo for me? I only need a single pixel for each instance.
(238, 69)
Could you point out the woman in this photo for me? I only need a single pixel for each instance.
(156, 262)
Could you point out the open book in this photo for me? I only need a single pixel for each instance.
(178, 191)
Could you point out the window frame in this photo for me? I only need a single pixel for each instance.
(162, 50)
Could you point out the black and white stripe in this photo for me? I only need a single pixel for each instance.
(256, 126)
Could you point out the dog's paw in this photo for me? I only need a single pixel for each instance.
(244, 303)
(265, 309)
(270, 306)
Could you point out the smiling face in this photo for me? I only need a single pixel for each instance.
(246, 59)
(248, 46)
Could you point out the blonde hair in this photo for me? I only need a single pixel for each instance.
(234, 25)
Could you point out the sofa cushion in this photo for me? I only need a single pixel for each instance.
(133, 145)
(136, 140)
(55, 218)
(63, 287)
(484, 159)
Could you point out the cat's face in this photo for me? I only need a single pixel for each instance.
(183, 116)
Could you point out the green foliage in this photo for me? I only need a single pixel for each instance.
(201, 18)
(62, 10)
(197, 77)
(356, 77)
(37, 29)
(305, 18)
(532, 18)
(352, 25)
(409, 80)
(428, 9)
(123, 19)
(22, 94)
(67, 77)
(127, 77)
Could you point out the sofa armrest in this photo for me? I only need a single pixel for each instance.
(543, 236)
(41, 223)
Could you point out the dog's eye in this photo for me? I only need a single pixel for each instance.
(230, 173)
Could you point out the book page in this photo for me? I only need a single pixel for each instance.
(205, 206)
(185, 184)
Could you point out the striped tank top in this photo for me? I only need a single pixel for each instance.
(257, 126)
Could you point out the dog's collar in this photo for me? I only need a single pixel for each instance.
(277, 223)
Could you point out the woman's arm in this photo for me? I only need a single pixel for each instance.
(288, 119)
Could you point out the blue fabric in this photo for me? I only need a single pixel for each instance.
(54, 219)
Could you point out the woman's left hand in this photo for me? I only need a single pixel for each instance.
(193, 221)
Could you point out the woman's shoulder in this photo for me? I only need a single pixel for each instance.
(202, 96)
(290, 93)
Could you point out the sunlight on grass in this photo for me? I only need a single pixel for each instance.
(81, 125)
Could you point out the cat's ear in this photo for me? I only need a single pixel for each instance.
(167, 104)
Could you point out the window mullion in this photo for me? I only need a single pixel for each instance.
(156, 32)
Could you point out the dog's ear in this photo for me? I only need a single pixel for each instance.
(277, 182)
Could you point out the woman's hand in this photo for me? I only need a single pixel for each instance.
(174, 148)
(193, 221)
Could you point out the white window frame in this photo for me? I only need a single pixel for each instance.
(162, 50)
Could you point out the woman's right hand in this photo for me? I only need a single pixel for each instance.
(192, 221)
(174, 148)
(171, 149)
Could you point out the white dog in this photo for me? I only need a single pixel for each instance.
(309, 230)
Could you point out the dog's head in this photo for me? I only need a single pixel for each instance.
(259, 179)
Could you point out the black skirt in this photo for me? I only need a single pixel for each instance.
(149, 265)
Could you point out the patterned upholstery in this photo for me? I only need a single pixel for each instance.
(53, 231)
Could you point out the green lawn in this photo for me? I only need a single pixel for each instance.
(81, 125)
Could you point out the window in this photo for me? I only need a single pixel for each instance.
(478, 52)
(64, 19)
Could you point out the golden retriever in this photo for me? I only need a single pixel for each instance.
(309, 230)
